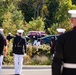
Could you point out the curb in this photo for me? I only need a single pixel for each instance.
(28, 67)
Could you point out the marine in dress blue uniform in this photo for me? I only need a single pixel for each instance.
(2, 45)
(9, 36)
(66, 51)
(19, 50)
(53, 46)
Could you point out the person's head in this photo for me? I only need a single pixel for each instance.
(61, 31)
(9, 33)
(73, 17)
(20, 32)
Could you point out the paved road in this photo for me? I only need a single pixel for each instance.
(28, 70)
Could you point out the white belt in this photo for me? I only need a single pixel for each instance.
(69, 65)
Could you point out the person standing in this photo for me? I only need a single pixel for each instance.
(9, 36)
(19, 50)
(53, 46)
(38, 39)
(2, 45)
(64, 61)
(35, 39)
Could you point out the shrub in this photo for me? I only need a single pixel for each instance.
(26, 59)
(8, 60)
(29, 50)
(40, 60)
(35, 56)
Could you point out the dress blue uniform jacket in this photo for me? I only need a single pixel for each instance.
(53, 47)
(2, 43)
(65, 53)
(19, 45)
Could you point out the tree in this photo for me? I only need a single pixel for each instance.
(62, 16)
(27, 9)
(53, 7)
(35, 25)
(33, 9)
(3, 9)
(13, 18)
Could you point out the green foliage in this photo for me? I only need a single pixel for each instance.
(66, 25)
(8, 60)
(34, 9)
(53, 7)
(18, 19)
(59, 15)
(40, 60)
(35, 25)
(3, 9)
(62, 14)
(13, 14)
(35, 50)
(29, 51)
(40, 55)
(27, 5)
(12, 19)
(44, 11)
(7, 23)
(52, 29)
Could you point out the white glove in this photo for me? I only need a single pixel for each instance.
(25, 54)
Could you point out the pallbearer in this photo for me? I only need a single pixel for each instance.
(19, 50)
(66, 51)
(2, 45)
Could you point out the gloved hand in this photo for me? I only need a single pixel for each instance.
(24, 54)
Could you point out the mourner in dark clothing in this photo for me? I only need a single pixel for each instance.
(65, 54)
(19, 49)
